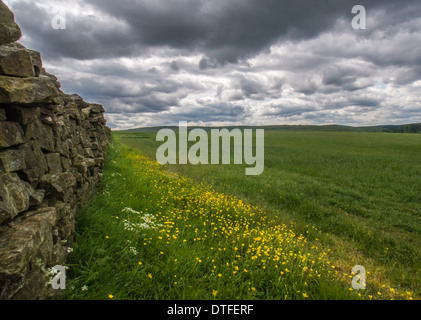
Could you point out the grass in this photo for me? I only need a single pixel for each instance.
(326, 201)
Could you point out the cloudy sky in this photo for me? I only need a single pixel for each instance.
(227, 62)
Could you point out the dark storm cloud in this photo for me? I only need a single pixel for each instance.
(214, 112)
(124, 94)
(153, 61)
(227, 31)
(232, 30)
(174, 66)
(289, 110)
(85, 37)
(206, 63)
(251, 88)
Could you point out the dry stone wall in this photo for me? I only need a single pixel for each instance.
(52, 149)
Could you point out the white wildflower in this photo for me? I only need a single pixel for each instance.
(130, 210)
(133, 250)
(148, 221)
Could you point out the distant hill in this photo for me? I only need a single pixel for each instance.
(404, 128)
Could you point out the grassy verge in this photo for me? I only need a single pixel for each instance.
(360, 189)
(151, 234)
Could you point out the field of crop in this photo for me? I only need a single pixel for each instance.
(326, 201)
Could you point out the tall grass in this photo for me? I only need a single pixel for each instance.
(153, 234)
(362, 190)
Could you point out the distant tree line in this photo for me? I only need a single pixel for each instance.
(406, 128)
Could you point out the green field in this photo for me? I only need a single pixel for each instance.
(354, 196)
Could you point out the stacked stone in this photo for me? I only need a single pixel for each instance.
(52, 149)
